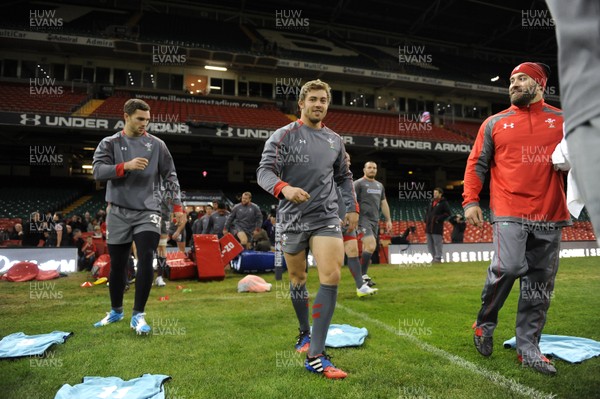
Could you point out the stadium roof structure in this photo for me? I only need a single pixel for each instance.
(483, 37)
(501, 32)
(506, 29)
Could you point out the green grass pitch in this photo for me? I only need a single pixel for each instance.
(217, 343)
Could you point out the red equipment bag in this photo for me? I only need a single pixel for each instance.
(101, 266)
(22, 271)
(179, 267)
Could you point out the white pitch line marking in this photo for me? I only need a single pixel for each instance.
(493, 376)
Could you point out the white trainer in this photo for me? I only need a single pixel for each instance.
(365, 290)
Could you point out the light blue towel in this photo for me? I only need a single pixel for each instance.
(19, 344)
(148, 386)
(569, 349)
(341, 335)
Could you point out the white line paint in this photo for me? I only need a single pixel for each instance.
(493, 376)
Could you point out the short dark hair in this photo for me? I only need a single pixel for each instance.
(439, 190)
(134, 104)
(221, 205)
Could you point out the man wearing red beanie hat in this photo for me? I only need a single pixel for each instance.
(528, 210)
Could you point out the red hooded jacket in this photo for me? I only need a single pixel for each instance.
(516, 146)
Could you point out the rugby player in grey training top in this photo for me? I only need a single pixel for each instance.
(351, 250)
(134, 163)
(301, 165)
(244, 219)
(371, 198)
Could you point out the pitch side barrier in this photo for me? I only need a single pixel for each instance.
(62, 259)
(417, 254)
(37, 120)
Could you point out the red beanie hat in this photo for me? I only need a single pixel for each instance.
(537, 72)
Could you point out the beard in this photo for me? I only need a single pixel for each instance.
(315, 120)
(522, 98)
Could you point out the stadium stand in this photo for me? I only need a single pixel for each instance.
(580, 231)
(91, 203)
(56, 99)
(372, 124)
(469, 129)
(341, 121)
(268, 117)
(412, 213)
(20, 202)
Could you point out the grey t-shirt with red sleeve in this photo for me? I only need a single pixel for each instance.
(313, 160)
(136, 189)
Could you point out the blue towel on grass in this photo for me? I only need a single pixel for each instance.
(569, 349)
(148, 386)
(341, 335)
(19, 344)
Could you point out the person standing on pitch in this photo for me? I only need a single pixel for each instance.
(458, 230)
(161, 249)
(166, 208)
(216, 221)
(244, 219)
(577, 24)
(202, 221)
(301, 164)
(133, 163)
(437, 211)
(351, 249)
(528, 211)
(371, 198)
(177, 233)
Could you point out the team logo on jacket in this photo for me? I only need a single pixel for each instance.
(148, 146)
(550, 123)
(509, 125)
(330, 140)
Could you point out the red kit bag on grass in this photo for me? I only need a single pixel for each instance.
(179, 266)
(101, 266)
(22, 271)
(44, 275)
